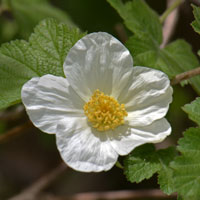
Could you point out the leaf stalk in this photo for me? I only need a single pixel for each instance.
(174, 5)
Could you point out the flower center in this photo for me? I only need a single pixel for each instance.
(104, 112)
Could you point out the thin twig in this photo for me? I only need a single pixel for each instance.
(185, 75)
(31, 192)
(173, 6)
(113, 195)
(169, 25)
(14, 132)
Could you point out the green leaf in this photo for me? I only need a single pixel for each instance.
(187, 166)
(29, 12)
(179, 57)
(175, 58)
(16, 67)
(165, 180)
(43, 54)
(145, 161)
(196, 23)
(141, 164)
(193, 110)
(50, 43)
(165, 175)
(144, 52)
(140, 19)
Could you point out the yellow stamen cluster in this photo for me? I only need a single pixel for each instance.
(104, 112)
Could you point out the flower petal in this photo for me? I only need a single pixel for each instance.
(97, 61)
(126, 138)
(49, 100)
(146, 96)
(85, 149)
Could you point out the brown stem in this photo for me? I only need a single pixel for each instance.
(113, 195)
(31, 192)
(185, 75)
(14, 132)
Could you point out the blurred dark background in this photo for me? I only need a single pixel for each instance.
(26, 157)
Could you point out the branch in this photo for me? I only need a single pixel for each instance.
(31, 192)
(113, 195)
(14, 132)
(169, 25)
(185, 75)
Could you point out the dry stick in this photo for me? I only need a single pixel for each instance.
(31, 192)
(14, 132)
(185, 75)
(113, 195)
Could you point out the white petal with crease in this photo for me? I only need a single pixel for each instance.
(85, 149)
(97, 61)
(49, 100)
(146, 96)
(125, 138)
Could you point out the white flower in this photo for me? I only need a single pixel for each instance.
(104, 108)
